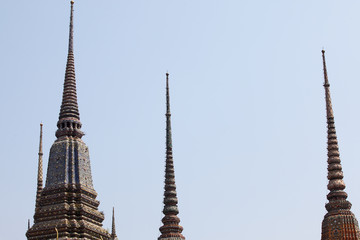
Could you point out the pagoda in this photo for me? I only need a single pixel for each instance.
(339, 223)
(170, 230)
(67, 204)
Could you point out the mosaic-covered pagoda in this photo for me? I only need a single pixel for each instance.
(170, 230)
(67, 203)
(339, 223)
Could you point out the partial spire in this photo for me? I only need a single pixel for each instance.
(71, 28)
(339, 222)
(171, 228)
(69, 118)
(113, 230)
(28, 224)
(168, 117)
(40, 169)
(336, 184)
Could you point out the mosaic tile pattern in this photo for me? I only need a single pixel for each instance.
(69, 163)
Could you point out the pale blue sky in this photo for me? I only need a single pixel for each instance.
(247, 102)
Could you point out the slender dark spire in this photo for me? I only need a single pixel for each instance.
(336, 184)
(69, 118)
(28, 224)
(40, 169)
(339, 223)
(113, 230)
(168, 119)
(171, 228)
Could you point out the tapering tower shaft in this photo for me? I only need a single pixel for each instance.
(113, 228)
(336, 184)
(69, 117)
(171, 230)
(339, 223)
(40, 169)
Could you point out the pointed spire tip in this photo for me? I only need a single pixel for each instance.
(336, 184)
(170, 228)
(326, 81)
(69, 117)
(113, 228)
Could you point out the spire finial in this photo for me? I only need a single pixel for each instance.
(69, 118)
(113, 229)
(168, 115)
(336, 184)
(326, 81)
(71, 28)
(171, 228)
(329, 110)
(40, 168)
(28, 224)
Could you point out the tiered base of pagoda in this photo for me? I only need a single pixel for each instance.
(72, 210)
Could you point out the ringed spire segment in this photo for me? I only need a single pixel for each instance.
(40, 168)
(336, 184)
(113, 228)
(171, 228)
(69, 117)
(339, 222)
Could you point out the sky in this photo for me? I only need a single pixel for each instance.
(247, 102)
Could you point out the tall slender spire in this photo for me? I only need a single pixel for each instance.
(339, 223)
(113, 229)
(335, 175)
(171, 230)
(69, 118)
(40, 169)
(28, 224)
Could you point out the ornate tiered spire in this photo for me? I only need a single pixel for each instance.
(113, 230)
(40, 169)
(69, 118)
(335, 175)
(171, 230)
(68, 202)
(339, 223)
